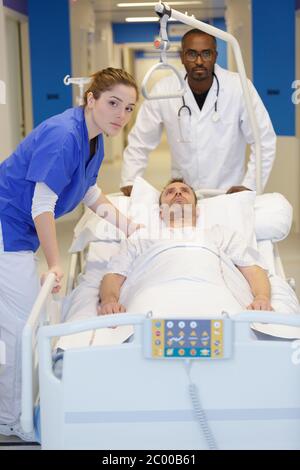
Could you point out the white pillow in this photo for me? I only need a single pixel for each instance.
(91, 227)
(269, 215)
(235, 211)
(273, 217)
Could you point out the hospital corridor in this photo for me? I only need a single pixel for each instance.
(149, 225)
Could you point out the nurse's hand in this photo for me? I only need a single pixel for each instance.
(59, 275)
(126, 190)
(237, 189)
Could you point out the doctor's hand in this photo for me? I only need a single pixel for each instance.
(260, 302)
(237, 189)
(107, 308)
(59, 275)
(126, 190)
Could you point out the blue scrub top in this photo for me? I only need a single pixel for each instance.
(55, 153)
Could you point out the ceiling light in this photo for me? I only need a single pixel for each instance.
(151, 4)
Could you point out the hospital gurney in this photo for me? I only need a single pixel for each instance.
(113, 397)
(250, 399)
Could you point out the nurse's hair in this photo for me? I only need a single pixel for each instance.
(178, 180)
(106, 79)
(196, 31)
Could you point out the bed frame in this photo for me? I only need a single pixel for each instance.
(113, 397)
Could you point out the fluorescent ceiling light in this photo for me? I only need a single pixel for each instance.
(151, 4)
(138, 19)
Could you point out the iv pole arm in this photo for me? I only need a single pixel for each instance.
(164, 12)
(80, 81)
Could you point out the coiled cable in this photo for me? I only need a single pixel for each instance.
(199, 411)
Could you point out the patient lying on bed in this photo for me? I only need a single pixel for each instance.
(185, 269)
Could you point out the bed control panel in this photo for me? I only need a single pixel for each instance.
(192, 338)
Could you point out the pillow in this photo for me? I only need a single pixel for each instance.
(270, 215)
(235, 211)
(273, 217)
(92, 228)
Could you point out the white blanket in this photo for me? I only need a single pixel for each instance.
(185, 278)
(172, 280)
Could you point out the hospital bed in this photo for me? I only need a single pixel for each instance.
(116, 396)
(130, 396)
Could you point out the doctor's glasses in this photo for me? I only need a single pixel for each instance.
(191, 55)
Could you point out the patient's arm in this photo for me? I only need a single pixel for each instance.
(260, 287)
(109, 294)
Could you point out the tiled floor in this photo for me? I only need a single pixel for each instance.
(157, 173)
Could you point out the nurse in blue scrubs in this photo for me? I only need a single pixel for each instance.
(52, 170)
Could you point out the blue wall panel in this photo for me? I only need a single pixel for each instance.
(50, 49)
(273, 26)
(134, 32)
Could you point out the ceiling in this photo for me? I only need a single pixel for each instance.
(109, 11)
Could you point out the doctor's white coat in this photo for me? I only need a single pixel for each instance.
(215, 154)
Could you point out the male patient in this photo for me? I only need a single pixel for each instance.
(197, 260)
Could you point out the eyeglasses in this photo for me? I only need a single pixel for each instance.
(191, 55)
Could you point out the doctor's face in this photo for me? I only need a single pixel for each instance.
(112, 110)
(199, 56)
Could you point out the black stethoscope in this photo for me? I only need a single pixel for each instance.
(215, 116)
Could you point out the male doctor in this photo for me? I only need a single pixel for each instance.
(207, 130)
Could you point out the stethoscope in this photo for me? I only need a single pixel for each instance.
(215, 116)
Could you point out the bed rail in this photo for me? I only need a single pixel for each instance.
(46, 310)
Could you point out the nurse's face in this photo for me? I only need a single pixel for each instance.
(112, 110)
(199, 56)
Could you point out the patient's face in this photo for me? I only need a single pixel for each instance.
(178, 205)
(178, 193)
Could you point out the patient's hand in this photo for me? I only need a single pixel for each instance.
(108, 308)
(260, 302)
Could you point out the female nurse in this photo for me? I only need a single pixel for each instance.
(52, 170)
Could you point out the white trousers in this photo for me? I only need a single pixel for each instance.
(19, 286)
